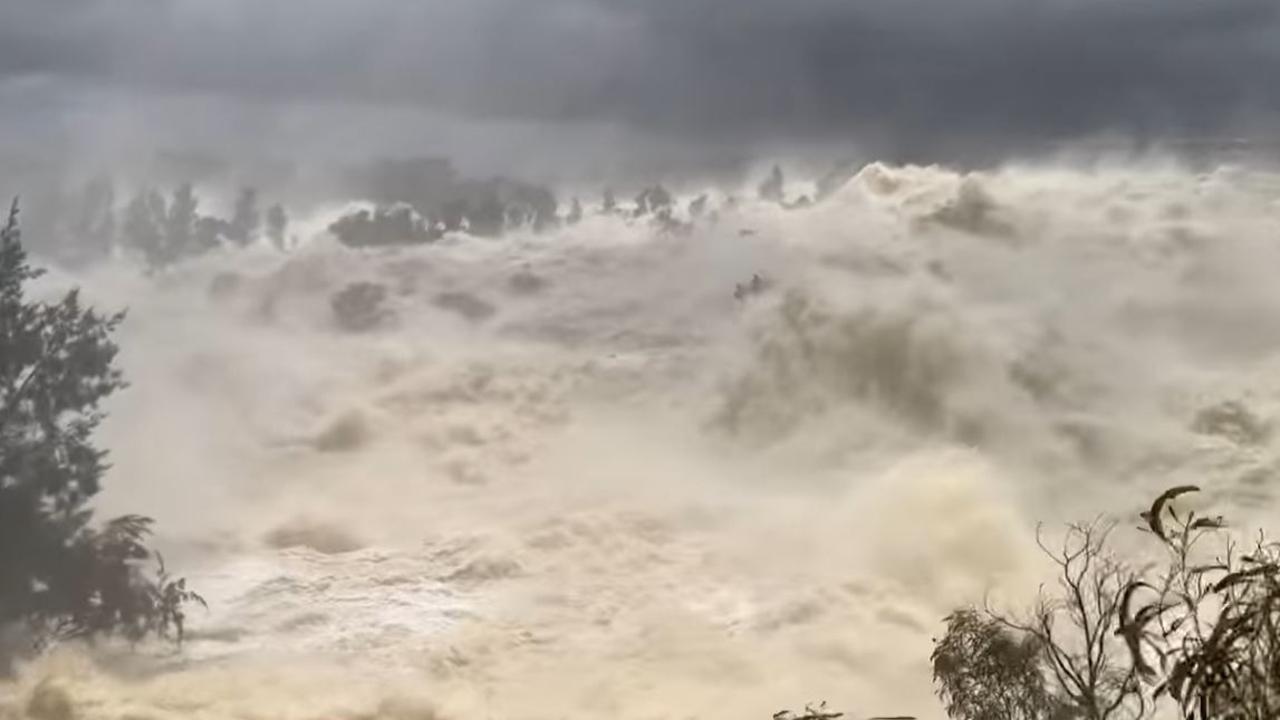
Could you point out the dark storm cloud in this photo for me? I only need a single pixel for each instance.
(911, 77)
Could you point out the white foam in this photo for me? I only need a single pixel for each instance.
(624, 493)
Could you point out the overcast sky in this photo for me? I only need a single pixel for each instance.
(594, 87)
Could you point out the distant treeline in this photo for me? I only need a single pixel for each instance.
(418, 200)
(415, 200)
(158, 228)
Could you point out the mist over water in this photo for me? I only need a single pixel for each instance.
(570, 475)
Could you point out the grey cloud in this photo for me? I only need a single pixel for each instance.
(915, 79)
(981, 71)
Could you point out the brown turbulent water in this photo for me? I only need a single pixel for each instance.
(571, 476)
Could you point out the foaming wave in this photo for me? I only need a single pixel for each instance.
(573, 475)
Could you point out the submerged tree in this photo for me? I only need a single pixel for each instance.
(181, 238)
(773, 187)
(89, 232)
(210, 232)
(575, 212)
(164, 233)
(360, 306)
(654, 200)
(385, 226)
(277, 225)
(144, 226)
(246, 219)
(58, 573)
(698, 206)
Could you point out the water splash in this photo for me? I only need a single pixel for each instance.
(571, 475)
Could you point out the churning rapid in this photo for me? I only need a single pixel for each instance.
(571, 475)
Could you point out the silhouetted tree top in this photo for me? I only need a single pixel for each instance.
(575, 212)
(246, 218)
(773, 188)
(383, 227)
(277, 225)
(653, 200)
